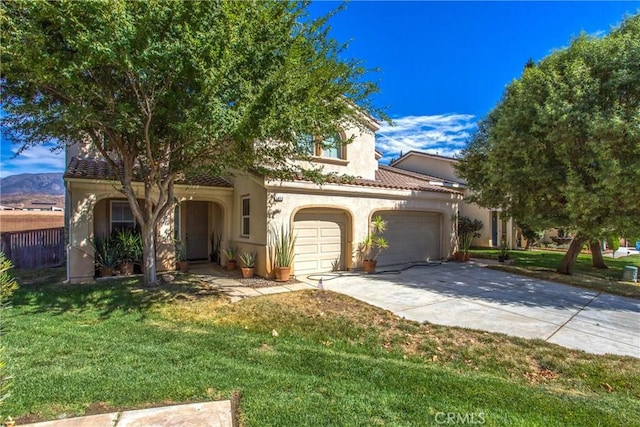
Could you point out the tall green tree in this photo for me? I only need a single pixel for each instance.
(162, 89)
(562, 147)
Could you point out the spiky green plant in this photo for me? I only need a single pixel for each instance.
(248, 259)
(283, 243)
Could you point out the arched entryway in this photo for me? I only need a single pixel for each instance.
(321, 240)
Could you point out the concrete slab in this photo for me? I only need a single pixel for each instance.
(101, 420)
(576, 339)
(227, 282)
(469, 314)
(299, 286)
(605, 330)
(272, 290)
(208, 414)
(467, 295)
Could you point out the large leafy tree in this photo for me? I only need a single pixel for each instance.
(562, 147)
(165, 88)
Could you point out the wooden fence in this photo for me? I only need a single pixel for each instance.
(35, 248)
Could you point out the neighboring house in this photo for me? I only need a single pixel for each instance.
(442, 169)
(329, 220)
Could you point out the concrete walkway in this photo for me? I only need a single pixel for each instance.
(467, 295)
(207, 414)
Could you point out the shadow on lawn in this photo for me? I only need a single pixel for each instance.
(124, 295)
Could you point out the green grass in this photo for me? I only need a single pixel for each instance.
(112, 345)
(542, 264)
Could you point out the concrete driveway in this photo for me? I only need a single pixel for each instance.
(470, 296)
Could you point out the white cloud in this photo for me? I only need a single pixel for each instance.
(444, 134)
(38, 159)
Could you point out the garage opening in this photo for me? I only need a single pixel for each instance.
(320, 240)
(412, 235)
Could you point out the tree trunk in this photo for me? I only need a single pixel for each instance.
(596, 254)
(572, 254)
(149, 255)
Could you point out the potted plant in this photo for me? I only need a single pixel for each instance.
(105, 254)
(129, 244)
(466, 230)
(283, 253)
(182, 264)
(374, 244)
(248, 260)
(230, 253)
(216, 241)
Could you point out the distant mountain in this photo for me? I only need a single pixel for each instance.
(32, 183)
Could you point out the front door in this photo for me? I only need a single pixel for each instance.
(196, 229)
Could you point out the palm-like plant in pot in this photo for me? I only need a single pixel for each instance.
(129, 244)
(283, 244)
(105, 254)
(374, 244)
(248, 260)
(230, 253)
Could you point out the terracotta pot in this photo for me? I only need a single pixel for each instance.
(182, 266)
(106, 271)
(231, 265)
(247, 272)
(461, 256)
(126, 268)
(282, 273)
(369, 265)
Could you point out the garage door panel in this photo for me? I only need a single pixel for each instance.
(319, 242)
(412, 236)
(306, 233)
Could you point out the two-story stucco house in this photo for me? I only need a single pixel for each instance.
(442, 169)
(329, 220)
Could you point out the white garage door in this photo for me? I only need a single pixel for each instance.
(412, 236)
(320, 240)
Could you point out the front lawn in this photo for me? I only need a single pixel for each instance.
(303, 358)
(542, 264)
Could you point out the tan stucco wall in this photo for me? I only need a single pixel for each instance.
(360, 160)
(437, 167)
(247, 185)
(360, 204)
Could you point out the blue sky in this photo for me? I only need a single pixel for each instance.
(443, 65)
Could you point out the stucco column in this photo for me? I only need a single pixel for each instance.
(80, 252)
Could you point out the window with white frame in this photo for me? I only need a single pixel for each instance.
(121, 216)
(246, 216)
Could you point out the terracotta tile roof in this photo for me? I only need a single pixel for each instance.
(101, 170)
(389, 177)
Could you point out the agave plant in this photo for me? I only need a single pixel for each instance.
(248, 259)
(230, 253)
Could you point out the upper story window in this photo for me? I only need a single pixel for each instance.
(121, 216)
(246, 216)
(329, 146)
